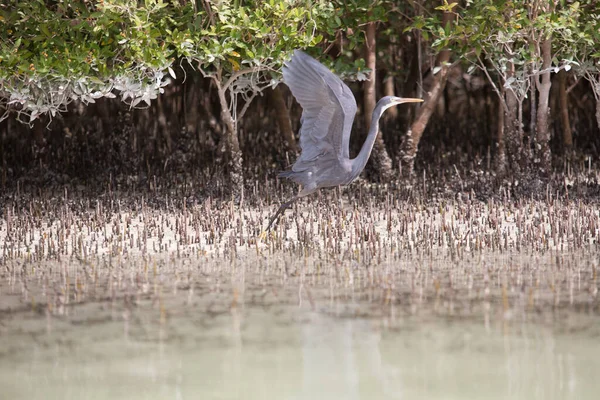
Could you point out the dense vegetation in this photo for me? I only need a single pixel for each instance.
(143, 88)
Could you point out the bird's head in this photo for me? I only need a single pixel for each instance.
(389, 101)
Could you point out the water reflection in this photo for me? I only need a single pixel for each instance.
(493, 329)
(297, 353)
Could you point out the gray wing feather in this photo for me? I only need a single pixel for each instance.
(328, 108)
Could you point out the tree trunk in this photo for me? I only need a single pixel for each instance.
(500, 160)
(598, 113)
(567, 134)
(511, 133)
(380, 157)
(512, 130)
(283, 119)
(389, 90)
(542, 148)
(415, 132)
(163, 125)
(533, 101)
(233, 154)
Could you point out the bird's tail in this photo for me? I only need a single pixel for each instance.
(285, 174)
(298, 177)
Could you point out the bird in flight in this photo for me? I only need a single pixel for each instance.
(328, 109)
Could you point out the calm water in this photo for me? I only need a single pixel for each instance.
(494, 328)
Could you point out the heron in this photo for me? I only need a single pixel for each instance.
(328, 110)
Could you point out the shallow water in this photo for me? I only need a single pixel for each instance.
(494, 327)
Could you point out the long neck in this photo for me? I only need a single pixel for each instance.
(358, 164)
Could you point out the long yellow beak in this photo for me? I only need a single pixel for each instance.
(401, 100)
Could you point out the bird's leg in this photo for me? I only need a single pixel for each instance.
(281, 210)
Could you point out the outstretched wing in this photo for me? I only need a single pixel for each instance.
(328, 110)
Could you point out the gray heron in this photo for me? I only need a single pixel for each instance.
(328, 110)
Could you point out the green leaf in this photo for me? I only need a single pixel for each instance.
(446, 7)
